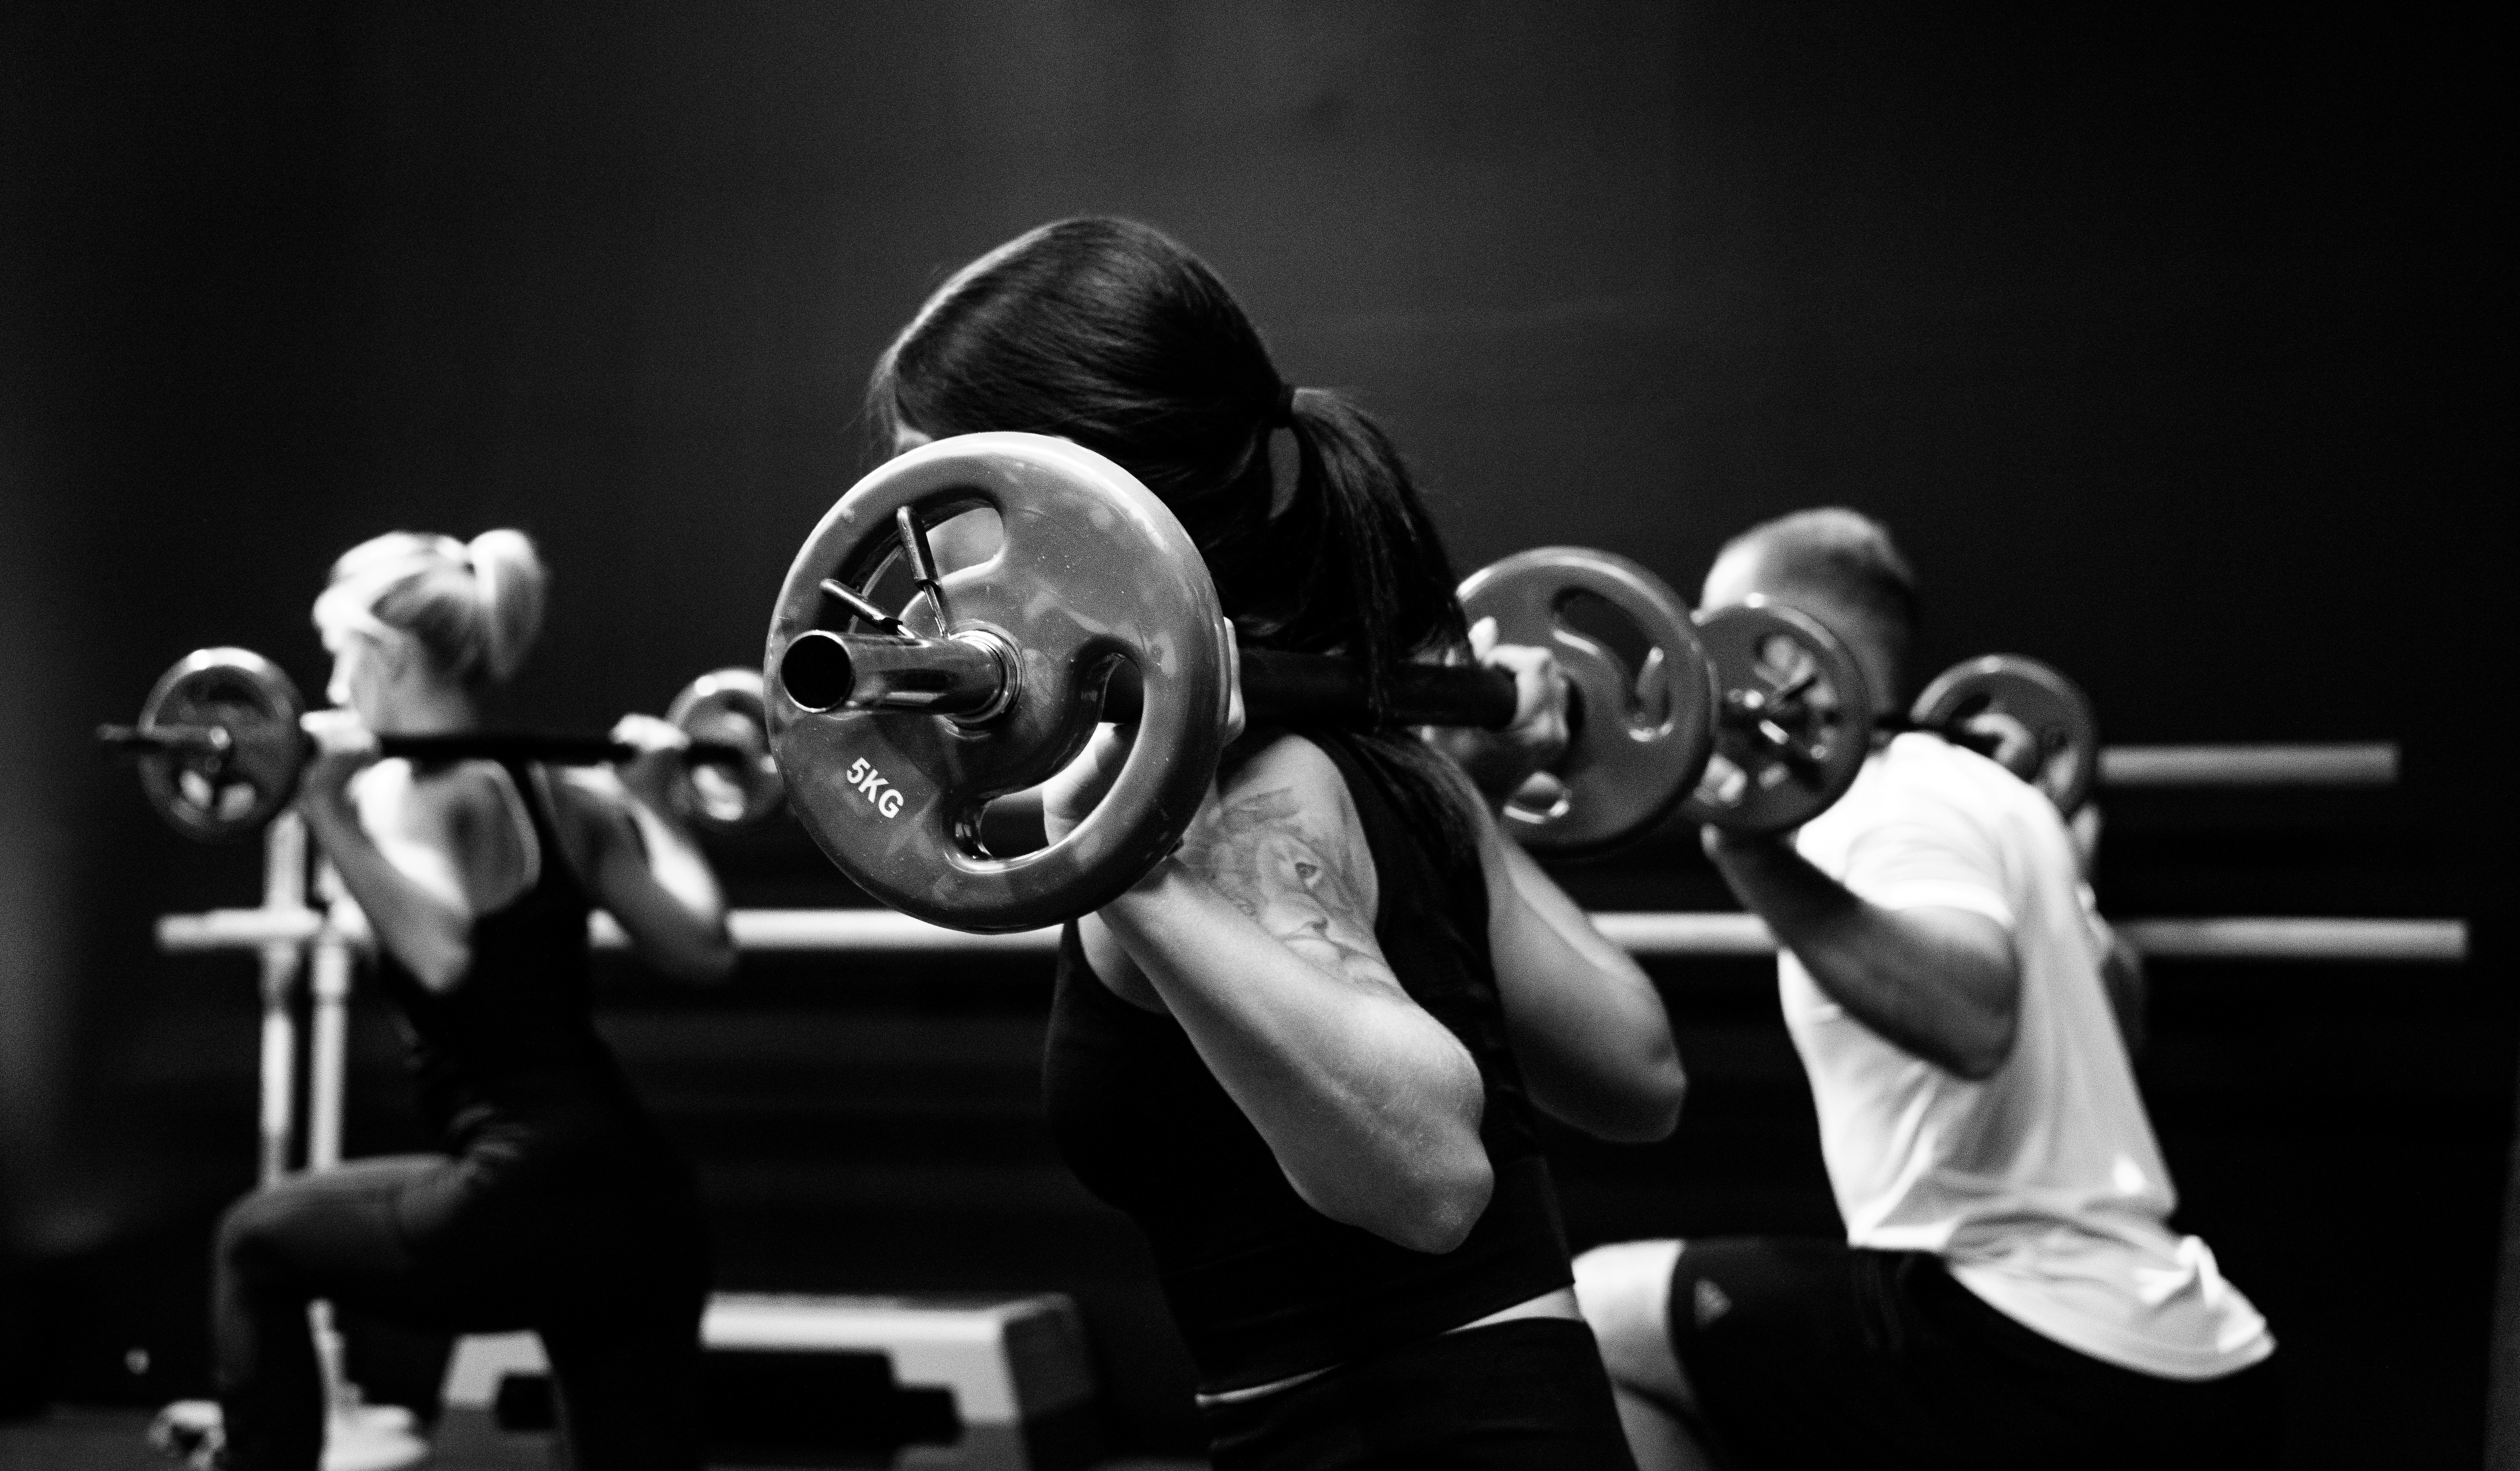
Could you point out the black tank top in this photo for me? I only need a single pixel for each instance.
(510, 1051)
(1261, 1286)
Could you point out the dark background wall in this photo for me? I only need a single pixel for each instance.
(2159, 337)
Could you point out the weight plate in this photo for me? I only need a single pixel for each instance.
(221, 796)
(2025, 715)
(1091, 572)
(725, 707)
(1793, 722)
(1639, 729)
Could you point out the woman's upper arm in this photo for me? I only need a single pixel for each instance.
(606, 848)
(611, 855)
(1590, 1029)
(1283, 842)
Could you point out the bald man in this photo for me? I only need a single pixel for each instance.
(2008, 1292)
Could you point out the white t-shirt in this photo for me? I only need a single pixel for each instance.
(2042, 1186)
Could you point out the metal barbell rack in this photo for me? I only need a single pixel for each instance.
(1645, 934)
(293, 937)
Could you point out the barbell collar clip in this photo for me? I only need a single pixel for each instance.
(857, 603)
(923, 563)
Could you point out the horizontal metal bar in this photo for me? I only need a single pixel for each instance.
(2333, 764)
(1646, 934)
(847, 932)
(1650, 935)
(238, 929)
(2421, 941)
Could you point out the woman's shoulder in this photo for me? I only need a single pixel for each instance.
(588, 803)
(1292, 768)
(449, 794)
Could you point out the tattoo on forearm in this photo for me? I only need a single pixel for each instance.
(1255, 848)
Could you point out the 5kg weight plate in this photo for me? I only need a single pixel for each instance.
(1091, 572)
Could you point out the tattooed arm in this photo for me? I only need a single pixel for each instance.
(1258, 938)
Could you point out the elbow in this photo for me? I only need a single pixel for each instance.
(701, 956)
(711, 962)
(1982, 1054)
(719, 956)
(1638, 1109)
(1443, 1206)
(1653, 1103)
(1636, 1103)
(1429, 1204)
(439, 967)
(1652, 1111)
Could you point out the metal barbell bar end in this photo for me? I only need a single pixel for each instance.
(968, 676)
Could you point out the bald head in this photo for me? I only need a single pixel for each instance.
(1839, 567)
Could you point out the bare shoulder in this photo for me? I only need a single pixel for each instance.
(1287, 794)
(1301, 775)
(459, 800)
(457, 823)
(586, 788)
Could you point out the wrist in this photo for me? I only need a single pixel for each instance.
(328, 803)
(650, 804)
(1745, 847)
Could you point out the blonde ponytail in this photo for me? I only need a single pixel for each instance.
(473, 607)
(509, 577)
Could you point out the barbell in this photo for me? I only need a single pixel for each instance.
(898, 725)
(220, 750)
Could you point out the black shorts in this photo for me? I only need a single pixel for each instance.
(1528, 1395)
(1818, 1353)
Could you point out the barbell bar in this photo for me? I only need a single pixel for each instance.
(220, 750)
(898, 726)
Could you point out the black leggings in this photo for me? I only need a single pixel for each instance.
(1523, 1396)
(613, 1274)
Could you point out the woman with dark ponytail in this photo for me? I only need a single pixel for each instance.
(1304, 1052)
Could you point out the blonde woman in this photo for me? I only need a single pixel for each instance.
(554, 1203)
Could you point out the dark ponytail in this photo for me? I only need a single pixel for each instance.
(1362, 565)
(1111, 334)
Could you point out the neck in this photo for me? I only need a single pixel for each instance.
(433, 711)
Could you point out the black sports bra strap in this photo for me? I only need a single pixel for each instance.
(526, 778)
